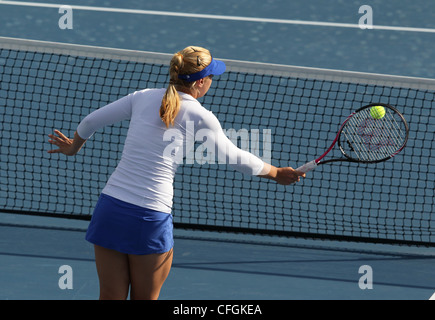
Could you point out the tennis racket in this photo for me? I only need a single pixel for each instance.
(367, 136)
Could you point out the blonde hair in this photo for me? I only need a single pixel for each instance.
(187, 61)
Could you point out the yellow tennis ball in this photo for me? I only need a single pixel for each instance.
(377, 112)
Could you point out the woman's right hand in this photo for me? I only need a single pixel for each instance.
(288, 175)
(284, 175)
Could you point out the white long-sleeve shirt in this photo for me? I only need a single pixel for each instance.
(145, 174)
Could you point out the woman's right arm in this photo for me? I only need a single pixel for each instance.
(244, 161)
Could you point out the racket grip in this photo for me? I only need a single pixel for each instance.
(307, 167)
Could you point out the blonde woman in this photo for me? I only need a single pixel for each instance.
(131, 227)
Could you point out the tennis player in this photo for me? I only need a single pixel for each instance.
(131, 226)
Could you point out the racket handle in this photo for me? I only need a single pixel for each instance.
(307, 167)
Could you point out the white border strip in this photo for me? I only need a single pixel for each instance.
(232, 65)
(332, 75)
(84, 50)
(215, 17)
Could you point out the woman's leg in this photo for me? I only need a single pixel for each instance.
(148, 273)
(113, 273)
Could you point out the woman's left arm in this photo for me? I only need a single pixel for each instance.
(109, 114)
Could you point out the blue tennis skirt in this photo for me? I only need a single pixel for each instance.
(128, 228)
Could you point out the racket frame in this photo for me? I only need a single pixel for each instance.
(314, 163)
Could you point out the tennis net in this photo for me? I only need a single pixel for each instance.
(287, 115)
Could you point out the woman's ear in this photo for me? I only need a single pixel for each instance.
(200, 83)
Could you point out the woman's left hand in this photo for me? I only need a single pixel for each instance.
(65, 145)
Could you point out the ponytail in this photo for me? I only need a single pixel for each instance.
(187, 61)
(170, 105)
(171, 100)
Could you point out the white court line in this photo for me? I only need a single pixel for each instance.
(215, 17)
(433, 297)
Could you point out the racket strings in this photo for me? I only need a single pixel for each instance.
(380, 133)
(373, 139)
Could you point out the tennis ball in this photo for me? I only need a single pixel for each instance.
(377, 112)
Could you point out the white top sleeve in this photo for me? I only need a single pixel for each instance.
(227, 152)
(114, 112)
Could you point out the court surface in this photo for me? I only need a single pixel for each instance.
(300, 33)
(218, 266)
(211, 266)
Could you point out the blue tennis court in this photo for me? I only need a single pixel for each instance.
(405, 53)
(210, 266)
(225, 266)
